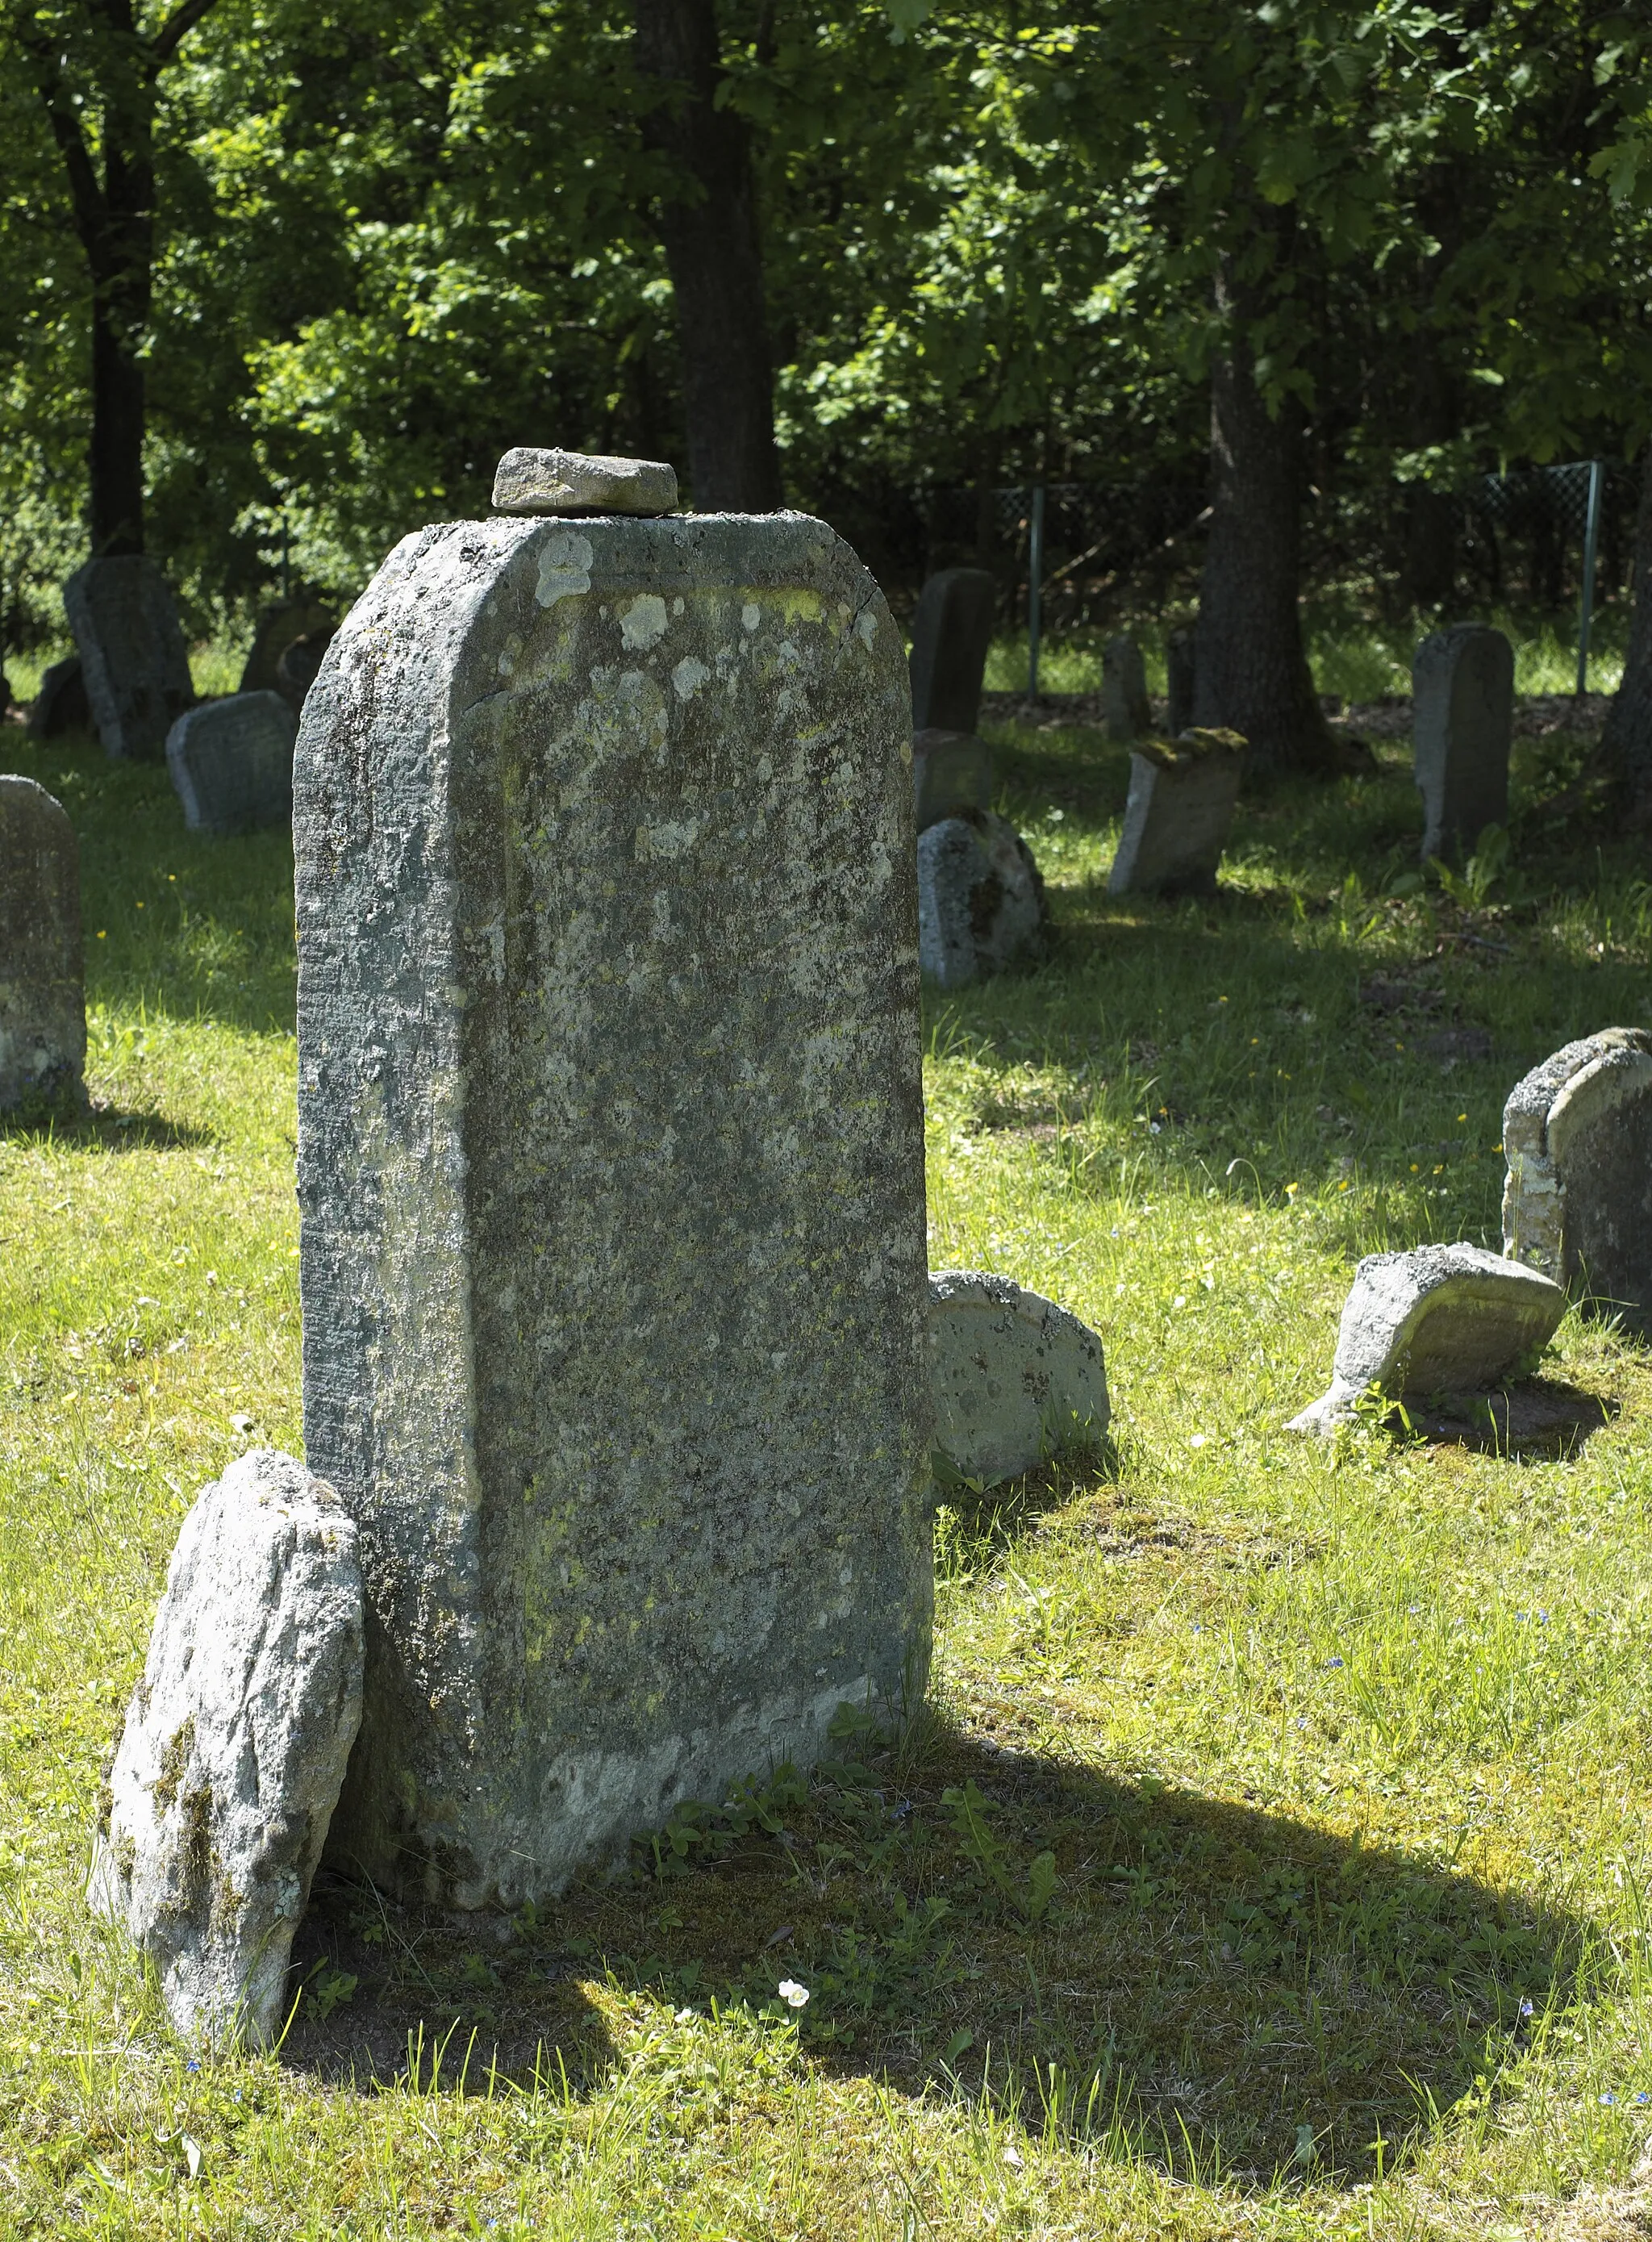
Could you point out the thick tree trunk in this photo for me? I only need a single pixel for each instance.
(1626, 744)
(1251, 670)
(708, 226)
(121, 252)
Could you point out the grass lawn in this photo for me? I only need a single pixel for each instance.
(1339, 1752)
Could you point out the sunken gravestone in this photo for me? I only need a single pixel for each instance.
(1441, 1319)
(1577, 1203)
(1462, 715)
(610, 1163)
(980, 900)
(1177, 814)
(951, 771)
(1124, 689)
(42, 1002)
(131, 651)
(61, 705)
(1015, 1380)
(231, 763)
(236, 1742)
(951, 632)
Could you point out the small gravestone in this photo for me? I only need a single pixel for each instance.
(131, 651)
(1177, 815)
(1577, 1203)
(42, 1002)
(980, 900)
(217, 1808)
(1124, 689)
(610, 1162)
(1016, 1379)
(951, 771)
(1179, 678)
(952, 634)
(1442, 1320)
(231, 763)
(300, 667)
(278, 627)
(61, 705)
(1462, 715)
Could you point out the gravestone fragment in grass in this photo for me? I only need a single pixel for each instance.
(43, 1001)
(1017, 1380)
(1177, 815)
(611, 1175)
(981, 903)
(1577, 1203)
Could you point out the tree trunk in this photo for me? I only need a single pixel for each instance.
(1626, 744)
(121, 253)
(1250, 671)
(707, 221)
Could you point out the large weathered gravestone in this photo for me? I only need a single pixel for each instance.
(1577, 1138)
(1180, 676)
(611, 1170)
(1442, 1320)
(61, 705)
(1177, 815)
(951, 771)
(980, 901)
(1124, 689)
(236, 1742)
(1016, 1379)
(951, 633)
(42, 1002)
(1462, 715)
(131, 652)
(279, 627)
(231, 763)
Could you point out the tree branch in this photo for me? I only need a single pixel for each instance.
(176, 28)
(91, 208)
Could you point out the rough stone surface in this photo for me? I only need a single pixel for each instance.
(1577, 1200)
(1179, 674)
(529, 481)
(43, 1004)
(1124, 689)
(1462, 708)
(278, 627)
(610, 1163)
(61, 705)
(980, 901)
(951, 632)
(133, 653)
(1441, 1319)
(1177, 815)
(951, 771)
(231, 763)
(1015, 1380)
(235, 1745)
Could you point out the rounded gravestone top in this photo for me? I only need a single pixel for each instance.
(530, 481)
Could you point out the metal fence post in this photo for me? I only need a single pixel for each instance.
(1591, 540)
(1035, 584)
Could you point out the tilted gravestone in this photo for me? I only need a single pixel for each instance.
(610, 1163)
(1124, 689)
(1577, 1202)
(61, 705)
(131, 651)
(1178, 814)
(279, 626)
(1462, 715)
(43, 1001)
(1180, 676)
(1016, 1379)
(981, 902)
(951, 771)
(952, 634)
(231, 763)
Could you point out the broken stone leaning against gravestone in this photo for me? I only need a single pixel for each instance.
(1016, 1379)
(530, 481)
(1124, 689)
(42, 1002)
(951, 771)
(61, 705)
(1577, 1139)
(1450, 1320)
(231, 762)
(1462, 715)
(1178, 814)
(980, 900)
(131, 651)
(218, 1804)
(952, 634)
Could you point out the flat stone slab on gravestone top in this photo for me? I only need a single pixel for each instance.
(278, 627)
(1177, 815)
(1450, 1319)
(952, 634)
(42, 999)
(1124, 689)
(980, 901)
(61, 705)
(131, 651)
(1016, 1379)
(1577, 1201)
(1462, 717)
(950, 771)
(231, 762)
(529, 481)
(236, 1742)
(610, 1162)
